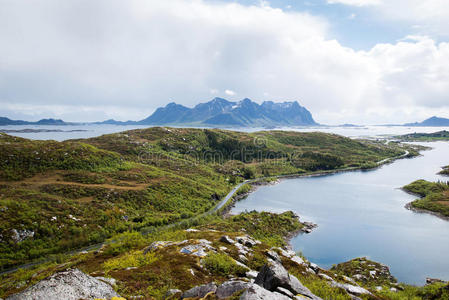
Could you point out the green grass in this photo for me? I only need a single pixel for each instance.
(147, 178)
(222, 264)
(434, 196)
(425, 137)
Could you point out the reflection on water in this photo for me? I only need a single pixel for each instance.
(363, 214)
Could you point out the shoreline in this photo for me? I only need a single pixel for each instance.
(409, 206)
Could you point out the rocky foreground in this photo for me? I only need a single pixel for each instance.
(271, 281)
(239, 257)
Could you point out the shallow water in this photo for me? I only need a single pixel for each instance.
(362, 214)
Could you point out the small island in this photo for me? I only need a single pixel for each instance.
(434, 197)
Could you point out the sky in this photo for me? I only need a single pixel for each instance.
(347, 61)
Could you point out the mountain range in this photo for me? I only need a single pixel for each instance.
(217, 112)
(222, 112)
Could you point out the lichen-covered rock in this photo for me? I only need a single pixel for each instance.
(256, 292)
(68, 285)
(229, 288)
(200, 291)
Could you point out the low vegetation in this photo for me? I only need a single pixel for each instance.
(445, 171)
(425, 137)
(434, 196)
(59, 196)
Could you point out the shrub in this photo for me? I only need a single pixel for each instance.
(134, 259)
(222, 264)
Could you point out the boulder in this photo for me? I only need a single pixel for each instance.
(255, 292)
(251, 274)
(273, 255)
(352, 289)
(227, 240)
(247, 241)
(228, 288)
(297, 260)
(285, 292)
(273, 275)
(200, 291)
(68, 285)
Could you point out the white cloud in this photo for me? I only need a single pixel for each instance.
(124, 58)
(229, 92)
(424, 16)
(355, 2)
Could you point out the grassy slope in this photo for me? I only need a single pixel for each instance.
(434, 196)
(77, 193)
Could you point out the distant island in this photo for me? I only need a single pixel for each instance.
(430, 122)
(7, 121)
(217, 112)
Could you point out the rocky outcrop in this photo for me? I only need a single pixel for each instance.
(229, 288)
(273, 275)
(227, 240)
(351, 289)
(68, 285)
(256, 292)
(200, 291)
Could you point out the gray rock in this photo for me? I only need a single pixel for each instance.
(255, 292)
(227, 240)
(274, 275)
(247, 241)
(251, 274)
(273, 255)
(172, 292)
(200, 291)
(228, 288)
(20, 235)
(285, 292)
(68, 285)
(109, 280)
(326, 277)
(297, 260)
(315, 267)
(352, 289)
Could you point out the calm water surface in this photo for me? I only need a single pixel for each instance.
(363, 214)
(93, 130)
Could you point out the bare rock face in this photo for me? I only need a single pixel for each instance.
(255, 292)
(228, 288)
(68, 285)
(273, 276)
(200, 291)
